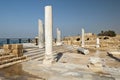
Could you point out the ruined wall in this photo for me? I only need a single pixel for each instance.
(90, 41)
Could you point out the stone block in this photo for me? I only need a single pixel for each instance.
(17, 46)
(7, 51)
(95, 64)
(94, 60)
(7, 46)
(17, 52)
(84, 51)
(95, 67)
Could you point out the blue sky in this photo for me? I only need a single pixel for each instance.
(19, 18)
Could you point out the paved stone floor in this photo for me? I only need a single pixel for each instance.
(68, 65)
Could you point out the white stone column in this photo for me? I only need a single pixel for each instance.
(83, 41)
(58, 37)
(48, 35)
(40, 34)
(97, 43)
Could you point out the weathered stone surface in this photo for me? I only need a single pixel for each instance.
(58, 37)
(95, 67)
(95, 64)
(17, 46)
(7, 48)
(48, 35)
(40, 34)
(7, 51)
(29, 45)
(83, 35)
(97, 43)
(94, 60)
(17, 52)
(84, 51)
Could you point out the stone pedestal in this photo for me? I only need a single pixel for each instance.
(48, 36)
(40, 34)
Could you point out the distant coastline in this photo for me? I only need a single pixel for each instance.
(14, 40)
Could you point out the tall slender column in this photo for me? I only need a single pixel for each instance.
(97, 43)
(40, 34)
(58, 37)
(48, 35)
(83, 33)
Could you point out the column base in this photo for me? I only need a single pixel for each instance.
(40, 46)
(48, 60)
(58, 43)
(97, 46)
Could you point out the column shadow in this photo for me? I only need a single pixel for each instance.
(110, 55)
(58, 56)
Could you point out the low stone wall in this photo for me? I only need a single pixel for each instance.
(14, 49)
(90, 42)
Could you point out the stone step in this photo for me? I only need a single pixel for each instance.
(12, 60)
(39, 59)
(2, 54)
(4, 57)
(33, 54)
(33, 51)
(35, 57)
(12, 63)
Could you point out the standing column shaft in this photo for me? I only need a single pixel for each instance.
(40, 34)
(83, 33)
(48, 30)
(97, 43)
(48, 36)
(58, 35)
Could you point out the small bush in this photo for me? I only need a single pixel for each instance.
(107, 33)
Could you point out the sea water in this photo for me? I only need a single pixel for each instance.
(13, 40)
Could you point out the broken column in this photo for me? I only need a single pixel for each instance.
(83, 43)
(58, 37)
(40, 34)
(83, 51)
(48, 36)
(97, 43)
